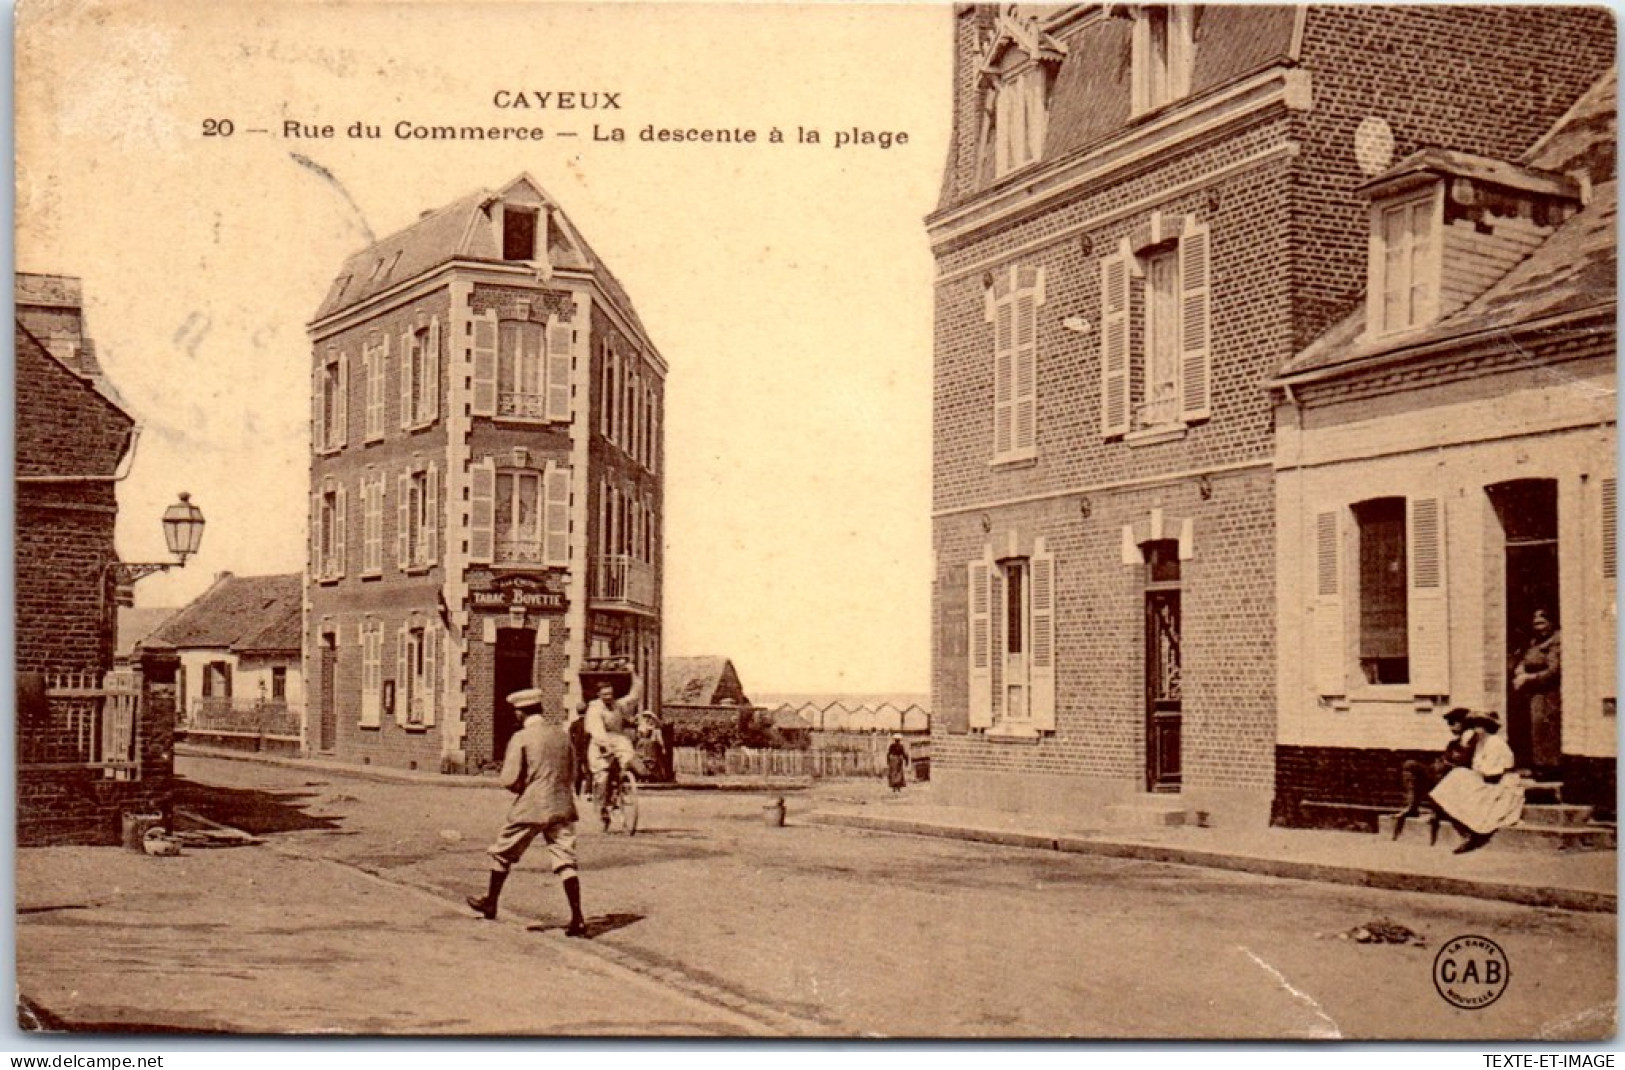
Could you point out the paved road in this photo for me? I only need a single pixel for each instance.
(821, 930)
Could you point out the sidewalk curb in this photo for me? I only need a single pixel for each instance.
(1527, 895)
(382, 775)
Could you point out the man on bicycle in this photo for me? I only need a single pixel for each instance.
(607, 719)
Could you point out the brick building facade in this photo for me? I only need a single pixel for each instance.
(486, 490)
(1144, 215)
(1446, 468)
(73, 438)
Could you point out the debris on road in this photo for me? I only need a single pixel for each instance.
(1381, 931)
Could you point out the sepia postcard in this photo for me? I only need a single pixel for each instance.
(937, 520)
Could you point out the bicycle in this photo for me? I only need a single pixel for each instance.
(620, 804)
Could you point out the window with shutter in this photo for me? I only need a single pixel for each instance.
(560, 342)
(1161, 54)
(371, 673)
(1428, 610)
(403, 676)
(403, 521)
(558, 517)
(1012, 308)
(980, 653)
(1114, 346)
(340, 540)
(1328, 657)
(1042, 647)
(340, 429)
(372, 522)
(431, 515)
(318, 408)
(483, 401)
(431, 366)
(433, 652)
(481, 511)
(1195, 312)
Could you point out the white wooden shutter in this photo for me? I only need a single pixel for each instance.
(431, 366)
(383, 382)
(1608, 629)
(1114, 346)
(403, 675)
(484, 401)
(316, 567)
(369, 524)
(341, 407)
(431, 672)
(318, 408)
(1195, 325)
(980, 577)
(1329, 656)
(367, 366)
(403, 521)
(340, 513)
(431, 512)
(407, 415)
(556, 519)
(1003, 378)
(1427, 610)
(558, 371)
(1042, 664)
(482, 511)
(1024, 361)
(371, 655)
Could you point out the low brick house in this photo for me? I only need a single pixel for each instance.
(1446, 467)
(1146, 211)
(88, 747)
(486, 483)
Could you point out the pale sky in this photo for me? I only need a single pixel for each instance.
(787, 286)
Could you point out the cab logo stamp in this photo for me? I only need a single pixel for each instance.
(1471, 972)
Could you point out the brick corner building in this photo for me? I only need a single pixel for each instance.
(1147, 210)
(91, 744)
(486, 483)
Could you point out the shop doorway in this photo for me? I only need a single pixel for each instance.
(1527, 511)
(515, 662)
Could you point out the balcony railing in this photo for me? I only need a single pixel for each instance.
(528, 406)
(512, 551)
(618, 578)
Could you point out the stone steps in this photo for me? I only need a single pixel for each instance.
(1547, 828)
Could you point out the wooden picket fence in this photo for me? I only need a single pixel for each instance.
(89, 719)
(819, 764)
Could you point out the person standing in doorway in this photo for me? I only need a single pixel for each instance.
(1537, 678)
(539, 767)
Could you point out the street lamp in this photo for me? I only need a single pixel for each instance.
(183, 532)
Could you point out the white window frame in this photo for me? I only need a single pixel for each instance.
(1143, 419)
(988, 642)
(515, 546)
(526, 368)
(417, 514)
(1161, 55)
(372, 522)
(420, 373)
(375, 358)
(419, 648)
(329, 506)
(1411, 271)
(330, 401)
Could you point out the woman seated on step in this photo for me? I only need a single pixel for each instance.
(1486, 795)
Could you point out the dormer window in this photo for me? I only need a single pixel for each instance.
(1404, 255)
(1446, 225)
(1018, 72)
(518, 233)
(1163, 47)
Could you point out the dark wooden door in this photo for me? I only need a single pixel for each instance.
(1162, 689)
(329, 696)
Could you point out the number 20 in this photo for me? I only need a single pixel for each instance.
(218, 128)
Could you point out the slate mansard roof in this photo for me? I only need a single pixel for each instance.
(466, 229)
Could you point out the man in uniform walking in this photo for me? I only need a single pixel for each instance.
(539, 768)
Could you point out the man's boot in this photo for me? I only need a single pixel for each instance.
(572, 892)
(486, 906)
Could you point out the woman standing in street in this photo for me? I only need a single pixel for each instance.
(896, 764)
